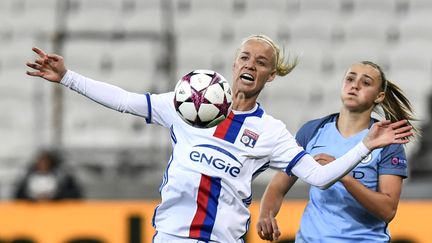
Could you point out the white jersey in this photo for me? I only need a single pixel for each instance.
(206, 189)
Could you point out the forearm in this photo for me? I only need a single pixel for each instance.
(323, 176)
(271, 202)
(274, 194)
(106, 94)
(379, 204)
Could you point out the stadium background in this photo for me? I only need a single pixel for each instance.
(147, 45)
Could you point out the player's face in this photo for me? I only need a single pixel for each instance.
(253, 67)
(361, 89)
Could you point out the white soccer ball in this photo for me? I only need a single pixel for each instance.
(203, 98)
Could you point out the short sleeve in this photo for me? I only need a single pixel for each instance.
(161, 109)
(286, 152)
(393, 161)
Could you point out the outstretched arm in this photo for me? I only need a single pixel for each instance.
(381, 134)
(52, 68)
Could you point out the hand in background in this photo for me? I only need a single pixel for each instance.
(48, 66)
(267, 227)
(384, 133)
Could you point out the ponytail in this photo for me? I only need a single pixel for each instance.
(395, 105)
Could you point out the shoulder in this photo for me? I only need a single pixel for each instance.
(310, 128)
(393, 150)
(271, 123)
(162, 99)
(317, 123)
(161, 96)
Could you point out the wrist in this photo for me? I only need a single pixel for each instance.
(368, 144)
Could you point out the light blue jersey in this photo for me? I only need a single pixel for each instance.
(333, 215)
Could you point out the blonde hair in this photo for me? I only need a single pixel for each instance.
(282, 66)
(395, 105)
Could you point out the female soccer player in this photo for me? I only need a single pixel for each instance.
(206, 188)
(359, 207)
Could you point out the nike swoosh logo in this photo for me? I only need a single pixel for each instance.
(317, 146)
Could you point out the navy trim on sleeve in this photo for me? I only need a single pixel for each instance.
(294, 162)
(149, 117)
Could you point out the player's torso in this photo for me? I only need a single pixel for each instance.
(333, 212)
(330, 141)
(233, 153)
(209, 177)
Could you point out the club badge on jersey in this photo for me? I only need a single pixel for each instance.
(249, 138)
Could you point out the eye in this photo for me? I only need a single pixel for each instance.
(261, 63)
(367, 83)
(243, 58)
(349, 79)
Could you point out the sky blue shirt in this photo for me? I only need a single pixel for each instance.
(333, 215)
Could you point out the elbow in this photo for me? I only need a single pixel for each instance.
(389, 216)
(324, 185)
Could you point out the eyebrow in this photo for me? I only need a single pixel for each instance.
(367, 76)
(259, 57)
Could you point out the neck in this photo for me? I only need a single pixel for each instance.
(243, 103)
(350, 123)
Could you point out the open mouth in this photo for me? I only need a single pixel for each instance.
(247, 77)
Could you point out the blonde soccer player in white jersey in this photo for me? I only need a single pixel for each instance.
(206, 188)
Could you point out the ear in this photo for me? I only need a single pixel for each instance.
(272, 76)
(379, 98)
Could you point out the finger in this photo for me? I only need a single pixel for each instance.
(383, 123)
(266, 232)
(404, 136)
(39, 52)
(34, 73)
(34, 66)
(54, 57)
(399, 123)
(40, 61)
(276, 232)
(259, 230)
(403, 129)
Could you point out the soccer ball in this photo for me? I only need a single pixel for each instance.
(203, 98)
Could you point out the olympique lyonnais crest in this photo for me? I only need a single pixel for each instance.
(249, 138)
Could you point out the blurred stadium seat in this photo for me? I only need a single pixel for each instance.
(383, 6)
(416, 26)
(371, 25)
(141, 19)
(356, 51)
(330, 6)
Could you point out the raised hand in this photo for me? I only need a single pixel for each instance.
(384, 133)
(48, 66)
(267, 227)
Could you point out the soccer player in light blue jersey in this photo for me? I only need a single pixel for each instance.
(359, 207)
(206, 188)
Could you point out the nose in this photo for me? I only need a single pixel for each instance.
(355, 83)
(250, 64)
